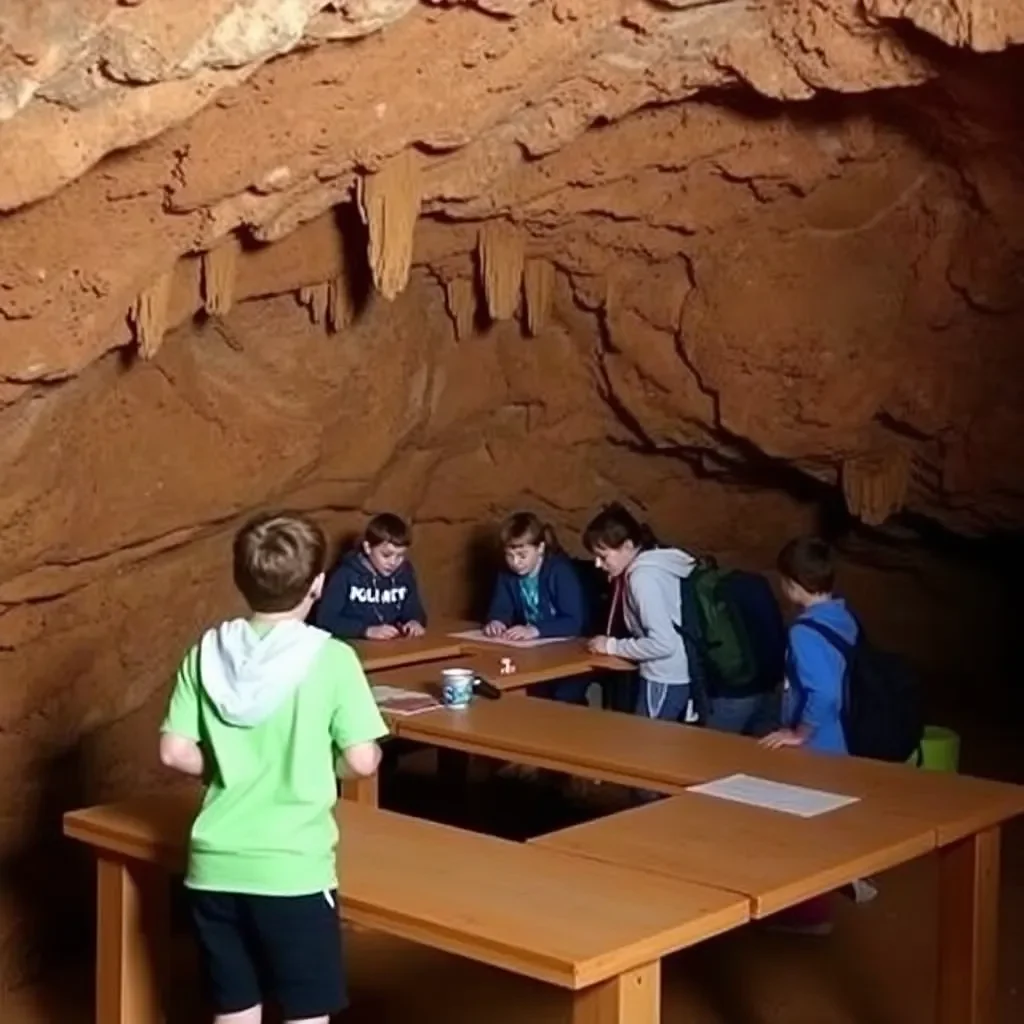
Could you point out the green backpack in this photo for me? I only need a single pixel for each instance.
(714, 625)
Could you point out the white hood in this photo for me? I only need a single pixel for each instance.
(248, 675)
(671, 560)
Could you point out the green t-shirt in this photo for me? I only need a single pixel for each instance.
(266, 825)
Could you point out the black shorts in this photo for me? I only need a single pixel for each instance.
(283, 949)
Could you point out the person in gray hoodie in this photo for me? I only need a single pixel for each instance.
(647, 583)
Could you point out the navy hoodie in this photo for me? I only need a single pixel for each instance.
(562, 609)
(356, 597)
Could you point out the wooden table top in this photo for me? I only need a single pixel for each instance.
(383, 654)
(568, 921)
(554, 917)
(775, 859)
(536, 665)
(670, 757)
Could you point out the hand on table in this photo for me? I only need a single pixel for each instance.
(413, 628)
(381, 632)
(598, 644)
(782, 738)
(494, 628)
(522, 633)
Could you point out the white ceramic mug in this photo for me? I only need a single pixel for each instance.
(457, 687)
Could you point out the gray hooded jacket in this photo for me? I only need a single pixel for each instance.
(653, 611)
(249, 673)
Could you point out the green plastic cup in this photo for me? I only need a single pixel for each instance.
(940, 749)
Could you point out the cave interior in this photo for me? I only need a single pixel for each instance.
(755, 269)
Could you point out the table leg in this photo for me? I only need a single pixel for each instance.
(132, 936)
(631, 998)
(361, 790)
(968, 929)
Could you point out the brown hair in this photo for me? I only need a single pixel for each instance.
(387, 528)
(277, 556)
(527, 528)
(808, 562)
(613, 526)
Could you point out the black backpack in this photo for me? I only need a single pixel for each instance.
(881, 715)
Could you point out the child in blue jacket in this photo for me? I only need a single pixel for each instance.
(812, 701)
(538, 595)
(373, 593)
(815, 670)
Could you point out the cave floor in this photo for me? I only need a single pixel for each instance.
(878, 967)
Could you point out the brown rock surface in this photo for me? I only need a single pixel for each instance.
(777, 253)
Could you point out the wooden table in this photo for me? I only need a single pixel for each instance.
(383, 654)
(598, 930)
(537, 665)
(774, 859)
(962, 814)
(669, 757)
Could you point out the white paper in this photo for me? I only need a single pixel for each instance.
(477, 636)
(776, 796)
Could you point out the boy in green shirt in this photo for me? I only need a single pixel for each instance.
(260, 708)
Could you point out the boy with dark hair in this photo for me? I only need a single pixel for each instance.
(813, 697)
(374, 592)
(260, 707)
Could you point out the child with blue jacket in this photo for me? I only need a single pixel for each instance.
(812, 699)
(815, 669)
(373, 593)
(539, 594)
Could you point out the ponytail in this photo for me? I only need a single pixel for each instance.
(648, 538)
(613, 526)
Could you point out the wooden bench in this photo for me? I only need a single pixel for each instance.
(596, 929)
(958, 815)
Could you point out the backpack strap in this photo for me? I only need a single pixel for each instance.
(838, 643)
(841, 644)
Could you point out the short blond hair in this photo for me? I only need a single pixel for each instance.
(277, 556)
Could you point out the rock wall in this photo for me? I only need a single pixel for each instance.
(124, 487)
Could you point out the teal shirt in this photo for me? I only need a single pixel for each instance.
(529, 587)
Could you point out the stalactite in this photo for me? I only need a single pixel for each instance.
(389, 203)
(502, 250)
(314, 298)
(339, 307)
(219, 266)
(538, 286)
(460, 298)
(148, 315)
(875, 485)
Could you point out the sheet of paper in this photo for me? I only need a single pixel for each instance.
(397, 701)
(477, 636)
(776, 796)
